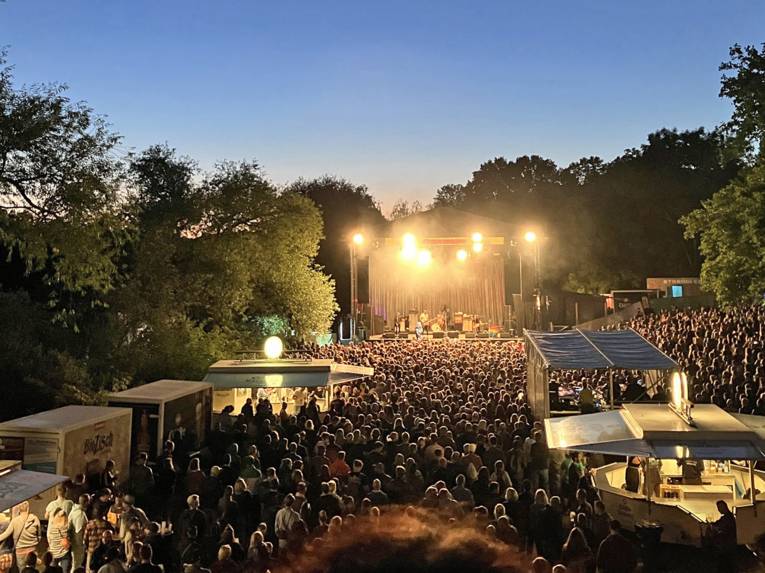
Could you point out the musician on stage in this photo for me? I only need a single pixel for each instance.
(424, 321)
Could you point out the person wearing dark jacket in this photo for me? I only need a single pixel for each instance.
(616, 554)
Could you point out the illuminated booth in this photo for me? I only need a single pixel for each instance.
(588, 350)
(290, 380)
(690, 457)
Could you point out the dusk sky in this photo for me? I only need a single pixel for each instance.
(402, 96)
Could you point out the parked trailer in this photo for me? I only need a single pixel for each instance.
(180, 408)
(69, 441)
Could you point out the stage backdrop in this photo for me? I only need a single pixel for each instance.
(473, 287)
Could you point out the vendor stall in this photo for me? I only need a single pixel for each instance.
(18, 486)
(167, 409)
(588, 350)
(683, 459)
(292, 381)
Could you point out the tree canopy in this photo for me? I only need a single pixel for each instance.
(133, 268)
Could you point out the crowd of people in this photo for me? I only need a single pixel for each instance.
(438, 441)
(721, 350)
(438, 444)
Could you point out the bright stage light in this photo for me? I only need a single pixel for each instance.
(408, 253)
(477, 237)
(273, 347)
(408, 240)
(358, 239)
(424, 258)
(462, 255)
(477, 247)
(530, 236)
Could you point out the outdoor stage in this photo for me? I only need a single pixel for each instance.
(470, 337)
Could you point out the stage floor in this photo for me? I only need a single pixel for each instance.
(410, 336)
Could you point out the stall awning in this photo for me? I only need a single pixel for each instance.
(227, 374)
(20, 485)
(575, 349)
(649, 430)
(222, 380)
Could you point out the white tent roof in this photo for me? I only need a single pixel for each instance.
(589, 349)
(654, 430)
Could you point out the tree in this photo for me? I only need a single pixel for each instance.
(345, 209)
(746, 89)
(403, 208)
(211, 256)
(58, 185)
(731, 227)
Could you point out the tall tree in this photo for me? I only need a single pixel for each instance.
(58, 185)
(345, 208)
(731, 227)
(746, 90)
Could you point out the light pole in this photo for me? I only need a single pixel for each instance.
(532, 238)
(356, 241)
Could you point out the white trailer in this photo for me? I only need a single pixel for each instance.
(166, 407)
(69, 441)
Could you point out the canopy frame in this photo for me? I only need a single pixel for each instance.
(586, 350)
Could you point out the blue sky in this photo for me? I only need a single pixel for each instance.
(403, 96)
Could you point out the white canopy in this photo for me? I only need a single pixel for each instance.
(654, 430)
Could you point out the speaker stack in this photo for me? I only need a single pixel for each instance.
(439, 334)
(453, 334)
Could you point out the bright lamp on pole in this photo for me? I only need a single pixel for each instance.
(358, 239)
(462, 255)
(530, 236)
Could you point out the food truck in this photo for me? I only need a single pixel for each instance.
(661, 443)
(164, 408)
(69, 441)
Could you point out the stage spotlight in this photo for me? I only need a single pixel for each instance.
(408, 240)
(462, 255)
(424, 258)
(530, 236)
(477, 247)
(358, 239)
(477, 237)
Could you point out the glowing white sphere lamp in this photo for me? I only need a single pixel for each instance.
(462, 255)
(530, 236)
(273, 347)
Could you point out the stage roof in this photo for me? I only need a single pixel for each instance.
(654, 430)
(575, 349)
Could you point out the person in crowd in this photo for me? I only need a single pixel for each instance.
(61, 502)
(141, 478)
(100, 554)
(93, 537)
(723, 537)
(78, 520)
(24, 531)
(576, 554)
(146, 563)
(30, 563)
(225, 563)
(49, 565)
(616, 554)
(59, 544)
(112, 562)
